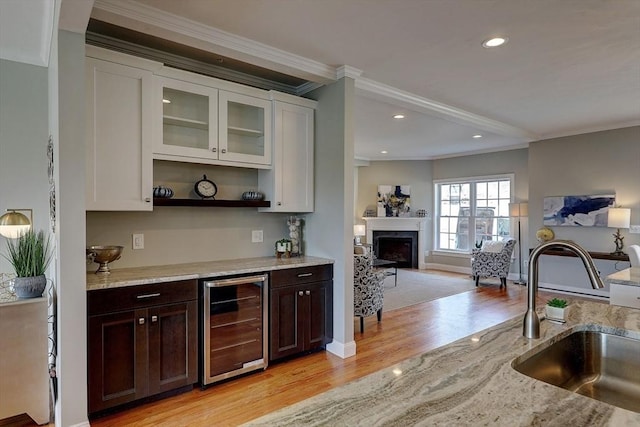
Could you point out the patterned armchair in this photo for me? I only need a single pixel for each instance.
(492, 260)
(368, 288)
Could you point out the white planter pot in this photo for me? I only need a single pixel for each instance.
(556, 313)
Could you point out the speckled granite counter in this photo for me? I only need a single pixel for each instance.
(470, 383)
(196, 270)
(629, 276)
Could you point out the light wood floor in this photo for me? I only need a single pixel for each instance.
(402, 334)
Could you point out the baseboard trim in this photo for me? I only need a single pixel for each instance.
(342, 350)
(447, 267)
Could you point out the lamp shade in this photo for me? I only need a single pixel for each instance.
(13, 224)
(359, 230)
(619, 218)
(519, 209)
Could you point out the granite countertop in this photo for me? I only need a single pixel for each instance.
(471, 383)
(629, 276)
(166, 273)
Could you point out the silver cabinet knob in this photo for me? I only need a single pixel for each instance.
(279, 203)
(141, 321)
(214, 149)
(148, 199)
(307, 292)
(300, 293)
(224, 150)
(154, 319)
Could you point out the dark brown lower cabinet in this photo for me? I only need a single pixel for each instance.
(142, 341)
(300, 310)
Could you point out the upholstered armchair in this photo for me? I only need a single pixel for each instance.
(368, 288)
(634, 255)
(492, 260)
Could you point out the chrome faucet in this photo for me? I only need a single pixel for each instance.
(531, 324)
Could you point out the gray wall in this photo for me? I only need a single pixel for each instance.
(23, 144)
(330, 227)
(595, 163)
(190, 234)
(416, 173)
(71, 408)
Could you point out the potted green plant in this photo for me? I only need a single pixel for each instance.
(556, 309)
(29, 254)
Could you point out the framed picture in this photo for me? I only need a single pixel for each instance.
(394, 200)
(578, 211)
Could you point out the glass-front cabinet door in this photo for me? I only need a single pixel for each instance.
(245, 129)
(189, 115)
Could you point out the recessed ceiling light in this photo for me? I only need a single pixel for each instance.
(384, 152)
(494, 42)
(477, 136)
(398, 116)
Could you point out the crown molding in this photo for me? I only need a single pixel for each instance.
(382, 92)
(150, 20)
(347, 71)
(593, 129)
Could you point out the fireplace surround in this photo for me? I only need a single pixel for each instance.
(398, 246)
(417, 225)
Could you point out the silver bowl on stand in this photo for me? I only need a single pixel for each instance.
(103, 255)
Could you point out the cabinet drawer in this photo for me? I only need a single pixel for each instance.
(294, 276)
(112, 300)
(625, 295)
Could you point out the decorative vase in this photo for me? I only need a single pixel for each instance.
(29, 287)
(556, 313)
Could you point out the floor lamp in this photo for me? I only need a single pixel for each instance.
(519, 210)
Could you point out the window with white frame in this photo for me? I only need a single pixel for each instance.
(470, 210)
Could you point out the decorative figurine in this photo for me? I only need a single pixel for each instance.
(283, 248)
(294, 234)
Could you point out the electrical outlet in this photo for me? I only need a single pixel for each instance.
(137, 241)
(634, 229)
(256, 236)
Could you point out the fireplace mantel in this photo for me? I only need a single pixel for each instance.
(400, 224)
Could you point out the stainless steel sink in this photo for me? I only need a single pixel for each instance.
(602, 366)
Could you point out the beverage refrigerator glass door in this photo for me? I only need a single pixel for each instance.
(234, 329)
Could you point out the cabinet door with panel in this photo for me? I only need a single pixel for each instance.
(245, 128)
(300, 310)
(186, 119)
(118, 137)
(289, 184)
(172, 347)
(142, 340)
(117, 359)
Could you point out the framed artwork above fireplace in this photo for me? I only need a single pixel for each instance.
(394, 201)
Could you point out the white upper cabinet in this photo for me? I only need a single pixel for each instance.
(198, 119)
(186, 119)
(119, 127)
(245, 129)
(289, 184)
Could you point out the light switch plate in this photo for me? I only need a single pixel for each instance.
(137, 241)
(634, 229)
(256, 236)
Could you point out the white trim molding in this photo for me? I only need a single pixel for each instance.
(342, 350)
(376, 90)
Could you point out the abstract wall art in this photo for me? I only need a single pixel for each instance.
(394, 200)
(578, 211)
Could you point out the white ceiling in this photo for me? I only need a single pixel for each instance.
(569, 67)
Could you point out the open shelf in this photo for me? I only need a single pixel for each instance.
(212, 203)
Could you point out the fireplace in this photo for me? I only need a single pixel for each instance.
(398, 246)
